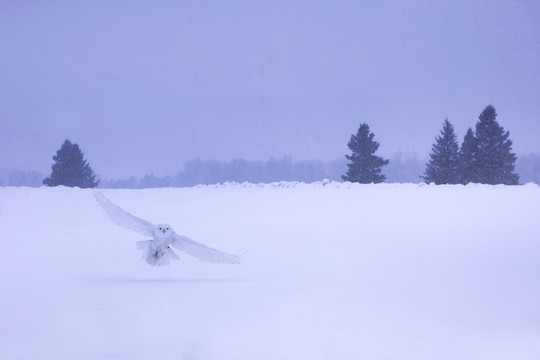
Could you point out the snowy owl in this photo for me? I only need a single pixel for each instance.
(157, 251)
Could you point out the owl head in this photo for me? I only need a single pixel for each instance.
(163, 231)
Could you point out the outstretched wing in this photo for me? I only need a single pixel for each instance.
(123, 218)
(203, 252)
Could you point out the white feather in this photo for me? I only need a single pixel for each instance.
(203, 252)
(123, 218)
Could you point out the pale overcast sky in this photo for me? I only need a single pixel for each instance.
(143, 86)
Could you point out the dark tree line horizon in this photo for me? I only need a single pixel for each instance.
(70, 168)
(485, 156)
(403, 168)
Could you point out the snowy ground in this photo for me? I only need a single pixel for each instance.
(332, 272)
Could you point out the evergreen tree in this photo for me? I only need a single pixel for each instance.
(364, 167)
(443, 167)
(494, 159)
(467, 158)
(71, 169)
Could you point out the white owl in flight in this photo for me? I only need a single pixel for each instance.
(157, 251)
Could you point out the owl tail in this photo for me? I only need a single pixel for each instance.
(156, 256)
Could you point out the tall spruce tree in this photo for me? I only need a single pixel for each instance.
(443, 166)
(494, 158)
(467, 158)
(71, 169)
(364, 166)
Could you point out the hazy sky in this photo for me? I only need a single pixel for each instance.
(143, 86)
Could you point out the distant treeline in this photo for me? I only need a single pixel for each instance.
(207, 172)
(401, 169)
(15, 177)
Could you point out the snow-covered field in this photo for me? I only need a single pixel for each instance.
(332, 271)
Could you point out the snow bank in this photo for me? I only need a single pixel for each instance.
(332, 271)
